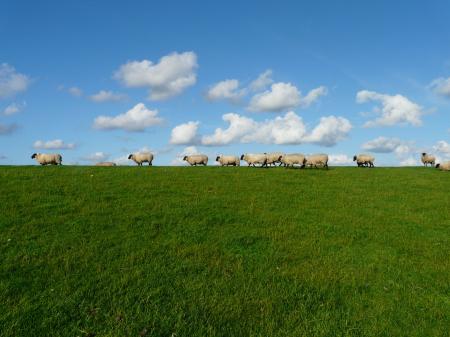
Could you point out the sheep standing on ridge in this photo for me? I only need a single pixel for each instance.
(289, 160)
(47, 158)
(273, 158)
(317, 160)
(443, 166)
(140, 158)
(228, 160)
(253, 159)
(196, 159)
(364, 160)
(427, 159)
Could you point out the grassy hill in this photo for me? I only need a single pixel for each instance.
(181, 251)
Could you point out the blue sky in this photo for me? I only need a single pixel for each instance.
(289, 76)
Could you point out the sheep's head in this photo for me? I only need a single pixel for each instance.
(130, 156)
(424, 154)
(279, 158)
(185, 158)
(354, 158)
(217, 158)
(34, 155)
(437, 165)
(242, 157)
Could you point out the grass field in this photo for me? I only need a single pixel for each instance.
(180, 251)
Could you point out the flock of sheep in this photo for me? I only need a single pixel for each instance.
(261, 159)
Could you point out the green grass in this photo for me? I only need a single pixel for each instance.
(224, 251)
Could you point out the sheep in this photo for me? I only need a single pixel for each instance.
(317, 160)
(106, 163)
(364, 160)
(253, 159)
(228, 160)
(140, 158)
(444, 166)
(196, 159)
(428, 159)
(47, 158)
(273, 158)
(289, 160)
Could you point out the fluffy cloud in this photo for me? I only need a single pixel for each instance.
(387, 145)
(96, 157)
(187, 151)
(262, 82)
(395, 109)
(329, 131)
(287, 129)
(13, 108)
(442, 147)
(184, 133)
(405, 151)
(169, 77)
(107, 96)
(12, 82)
(6, 129)
(340, 159)
(75, 91)
(410, 161)
(441, 86)
(137, 118)
(225, 90)
(56, 144)
(283, 96)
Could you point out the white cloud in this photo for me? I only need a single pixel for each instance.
(187, 151)
(406, 152)
(169, 77)
(283, 96)
(184, 133)
(287, 129)
(226, 90)
(442, 147)
(122, 160)
(262, 82)
(441, 86)
(329, 131)
(386, 145)
(13, 108)
(410, 161)
(395, 109)
(56, 144)
(340, 159)
(3, 157)
(6, 129)
(12, 82)
(403, 150)
(137, 118)
(107, 96)
(96, 157)
(75, 91)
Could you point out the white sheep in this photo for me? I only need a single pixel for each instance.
(228, 160)
(289, 160)
(364, 160)
(105, 163)
(317, 160)
(196, 159)
(428, 159)
(253, 159)
(47, 158)
(444, 166)
(139, 158)
(273, 158)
